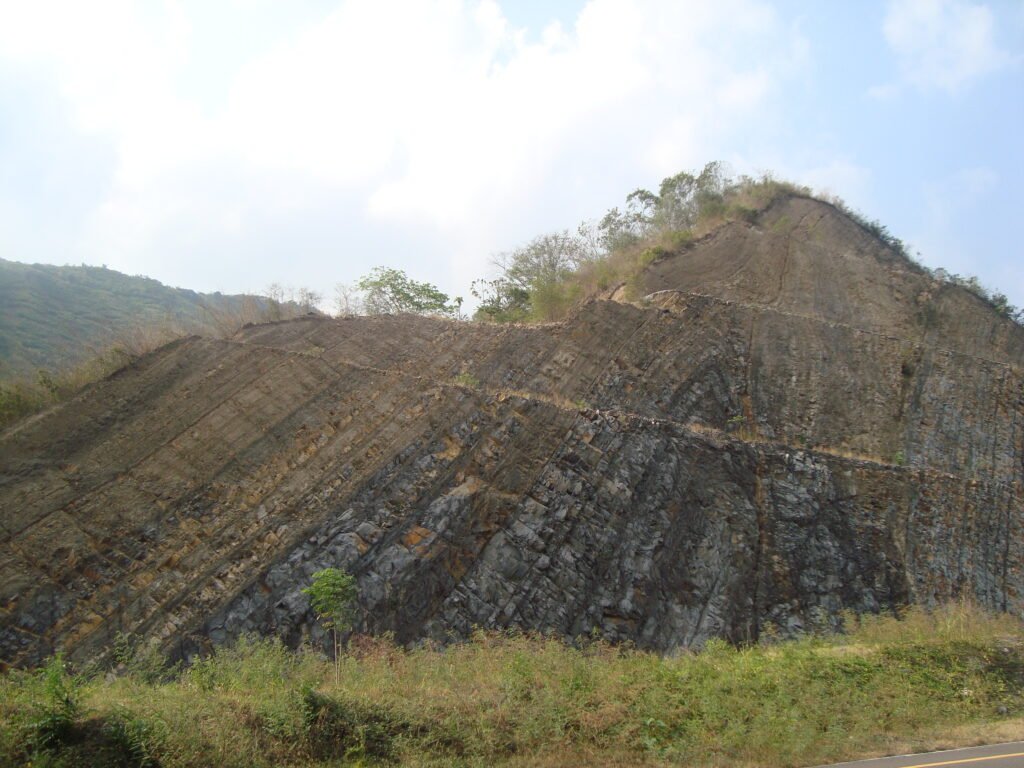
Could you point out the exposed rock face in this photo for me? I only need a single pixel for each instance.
(794, 423)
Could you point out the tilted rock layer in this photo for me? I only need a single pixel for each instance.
(794, 422)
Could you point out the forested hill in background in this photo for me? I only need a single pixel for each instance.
(52, 317)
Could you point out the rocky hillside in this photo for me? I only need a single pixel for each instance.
(794, 422)
(52, 317)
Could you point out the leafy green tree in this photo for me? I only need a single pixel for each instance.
(388, 291)
(501, 301)
(545, 259)
(619, 230)
(682, 201)
(533, 278)
(332, 595)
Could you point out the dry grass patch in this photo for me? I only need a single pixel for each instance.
(944, 678)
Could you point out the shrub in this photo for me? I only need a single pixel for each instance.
(53, 721)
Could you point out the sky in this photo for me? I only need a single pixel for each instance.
(223, 145)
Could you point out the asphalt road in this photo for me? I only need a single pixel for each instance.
(993, 756)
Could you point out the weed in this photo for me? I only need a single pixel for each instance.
(468, 380)
(136, 740)
(505, 698)
(52, 723)
(142, 659)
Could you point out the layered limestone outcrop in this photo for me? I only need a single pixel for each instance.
(792, 423)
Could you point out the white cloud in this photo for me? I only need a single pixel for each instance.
(433, 112)
(941, 44)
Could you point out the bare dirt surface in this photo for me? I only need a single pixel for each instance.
(794, 423)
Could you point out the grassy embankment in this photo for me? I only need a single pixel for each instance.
(954, 676)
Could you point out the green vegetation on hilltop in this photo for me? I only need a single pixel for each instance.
(543, 279)
(388, 291)
(62, 328)
(517, 700)
(53, 317)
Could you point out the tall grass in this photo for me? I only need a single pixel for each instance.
(530, 700)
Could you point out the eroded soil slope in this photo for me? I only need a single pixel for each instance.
(793, 423)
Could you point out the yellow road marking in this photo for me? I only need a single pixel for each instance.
(966, 760)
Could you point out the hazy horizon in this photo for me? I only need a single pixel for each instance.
(223, 147)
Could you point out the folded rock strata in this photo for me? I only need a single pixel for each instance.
(793, 423)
